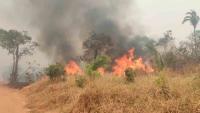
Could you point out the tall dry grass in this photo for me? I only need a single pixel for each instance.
(174, 93)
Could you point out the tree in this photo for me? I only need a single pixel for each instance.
(157, 58)
(97, 45)
(139, 43)
(99, 62)
(166, 42)
(55, 71)
(163, 51)
(188, 49)
(18, 44)
(193, 18)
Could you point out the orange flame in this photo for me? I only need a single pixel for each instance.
(72, 68)
(128, 61)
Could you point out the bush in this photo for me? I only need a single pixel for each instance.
(130, 74)
(161, 81)
(80, 81)
(164, 91)
(100, 61)
(91, 72)
(55, 71)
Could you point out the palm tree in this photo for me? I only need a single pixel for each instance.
(193, 18)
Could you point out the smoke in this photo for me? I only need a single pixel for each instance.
(64, 24)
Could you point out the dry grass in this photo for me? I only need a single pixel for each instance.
(114, 95)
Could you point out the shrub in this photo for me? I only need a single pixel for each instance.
(91, 72)
(130, 74)
(29, 77)
(100, 61)
(161, 82)
(80, 81)
(55, 71)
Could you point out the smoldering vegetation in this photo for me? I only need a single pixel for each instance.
(63, 25)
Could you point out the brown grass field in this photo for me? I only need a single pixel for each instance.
(164, 92)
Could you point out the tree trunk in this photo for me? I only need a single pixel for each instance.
(13, 69)
(14, 74)
(195, 43)
(95, 53)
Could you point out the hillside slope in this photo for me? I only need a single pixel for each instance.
(148, 94)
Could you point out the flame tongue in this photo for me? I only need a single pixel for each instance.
(72, 68)
(127, 61)
(121, 64)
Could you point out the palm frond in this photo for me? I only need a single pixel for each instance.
(189, 13)
(187, 17)
(192, 17)
(185, 20)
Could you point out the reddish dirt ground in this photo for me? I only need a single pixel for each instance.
(11, 101)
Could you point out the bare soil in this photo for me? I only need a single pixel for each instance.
(11, 100)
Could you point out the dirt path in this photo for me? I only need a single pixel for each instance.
(11, 101)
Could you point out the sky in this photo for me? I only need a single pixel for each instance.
(160, 15)
(155, 16)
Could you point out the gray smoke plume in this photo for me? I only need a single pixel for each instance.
(64, 24)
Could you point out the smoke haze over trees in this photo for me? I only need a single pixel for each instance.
(63, 25)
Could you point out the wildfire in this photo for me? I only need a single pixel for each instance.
(72, 68)
(128, 61)
(121, 64)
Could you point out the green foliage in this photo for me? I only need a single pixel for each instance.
(166, 40)
(55, 71)
(162, 83)
(100, 61)
(170, 59)
(91, 72)
(11, 39)
(192, 17)
(130, 74)
(17, 44)
(80, 81)
(96, 45)
(158, 61)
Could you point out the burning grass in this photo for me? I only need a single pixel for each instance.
(122, 63)
(111, 94)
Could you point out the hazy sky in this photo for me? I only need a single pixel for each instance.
(160, 15)
(156, 16)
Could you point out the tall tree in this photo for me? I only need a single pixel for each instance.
(166, 42)
(18, 44)
(139, 44)
(95, 45)
(193, 18)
